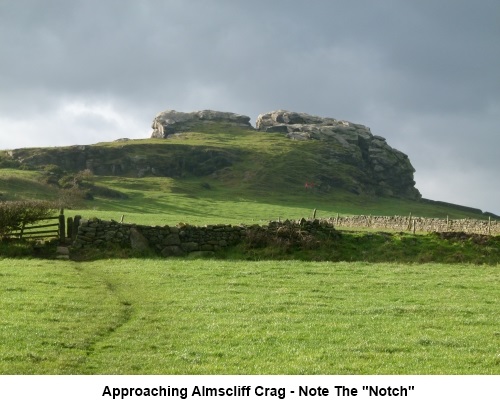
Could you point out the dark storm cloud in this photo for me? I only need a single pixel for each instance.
(424, 52)
(422, 73)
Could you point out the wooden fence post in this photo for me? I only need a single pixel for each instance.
(69, 227)
(76, 225)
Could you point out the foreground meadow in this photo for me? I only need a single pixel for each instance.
(154, 316)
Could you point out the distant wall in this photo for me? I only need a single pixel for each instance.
(419, 224)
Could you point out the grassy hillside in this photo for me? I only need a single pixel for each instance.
(156, 200)
(217, 175)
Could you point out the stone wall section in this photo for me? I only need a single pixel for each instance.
(187, 239)
(167, 240)
(418, 224)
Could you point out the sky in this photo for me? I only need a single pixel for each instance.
(424, 74)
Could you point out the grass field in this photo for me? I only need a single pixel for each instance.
(148, 316)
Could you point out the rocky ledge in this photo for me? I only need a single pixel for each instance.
(171, 122)
(303, 126)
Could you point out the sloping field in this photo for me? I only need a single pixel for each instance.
(201, 176)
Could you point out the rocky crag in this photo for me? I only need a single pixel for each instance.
(171, 122)
(377, 168)
(380, 168)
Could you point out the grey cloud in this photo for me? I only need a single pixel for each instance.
(422, 73)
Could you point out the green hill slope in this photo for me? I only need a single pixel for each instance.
(217, 172)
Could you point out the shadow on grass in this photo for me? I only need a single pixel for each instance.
(384, 247)
(15, 248)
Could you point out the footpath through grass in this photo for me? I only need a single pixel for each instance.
(154, 316)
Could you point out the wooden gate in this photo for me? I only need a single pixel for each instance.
(50, 229)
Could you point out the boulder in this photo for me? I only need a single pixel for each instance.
(171, 122)
(172, 251)
(138, 242)
(302, 122)
(288, 118)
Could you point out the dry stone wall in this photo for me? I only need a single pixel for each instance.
(418, 224)
(187, 239)
(205, 240)
(167, 240)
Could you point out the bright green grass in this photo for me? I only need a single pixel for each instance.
(233, 317)
(23, 184)
(50, 316)
(158, 201)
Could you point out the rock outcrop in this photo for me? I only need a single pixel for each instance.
(128, 159)
(299, 125)
(170, 122)
(377, 167)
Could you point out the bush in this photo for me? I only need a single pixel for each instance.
(53, 169)
(284, 236)
(16, 214)
(73, 197)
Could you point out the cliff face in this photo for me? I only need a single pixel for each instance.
(377, 167)
(129, 159)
